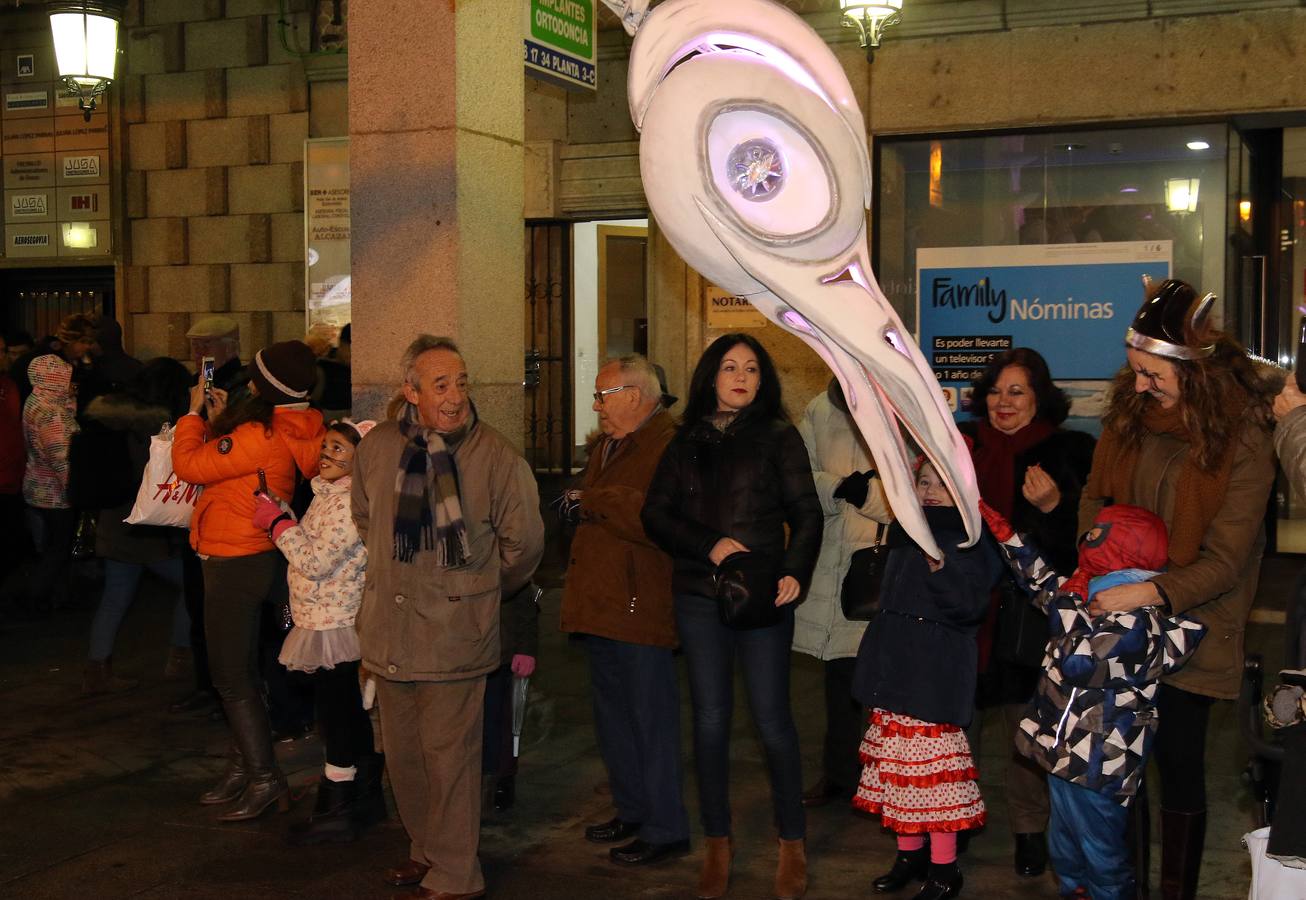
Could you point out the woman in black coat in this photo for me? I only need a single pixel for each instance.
(1032, 471)
(730, 481)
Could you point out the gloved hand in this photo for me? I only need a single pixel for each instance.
(997, 523)
(523, 666)
(854, 488)
(267, 510)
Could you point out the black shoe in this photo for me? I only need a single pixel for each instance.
(943, 883)
(333, 820)
(505, 793)
(1031, 854)
(292, 732)
(909, 866)
(611, 831)
(197, 701)
(642, 853)
(823, 792)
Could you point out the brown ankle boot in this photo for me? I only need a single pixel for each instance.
(791, 874)
(98, 678)
(715, 878)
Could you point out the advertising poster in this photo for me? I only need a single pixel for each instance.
(326, 232)
(561, 43)
(1070, 302)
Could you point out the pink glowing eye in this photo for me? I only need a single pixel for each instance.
(756, 170)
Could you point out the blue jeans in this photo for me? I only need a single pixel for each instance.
(1086, 841)
(710, 649)
(120, 582)
(637, 722)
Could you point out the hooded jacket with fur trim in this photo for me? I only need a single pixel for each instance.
(228, 465)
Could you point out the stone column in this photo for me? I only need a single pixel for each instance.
(436, 112)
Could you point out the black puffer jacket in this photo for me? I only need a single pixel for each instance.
(746, 483)
(918, 655)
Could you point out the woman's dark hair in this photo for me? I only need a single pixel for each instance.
(249, 408)
(163, 382)
(1052, 403)
(1217, 394)
(345, 430)
(702, 400)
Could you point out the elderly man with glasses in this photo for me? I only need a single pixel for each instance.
(618, 595)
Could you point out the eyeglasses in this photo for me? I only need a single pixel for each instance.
(600, 395)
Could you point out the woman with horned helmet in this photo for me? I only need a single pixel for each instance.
(1186, 435)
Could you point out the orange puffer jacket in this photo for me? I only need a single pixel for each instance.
(227, 467)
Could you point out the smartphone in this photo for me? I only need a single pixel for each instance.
(206, 373)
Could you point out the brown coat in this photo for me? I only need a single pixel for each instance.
(1219, 587)
(618, 581)
(419, 622)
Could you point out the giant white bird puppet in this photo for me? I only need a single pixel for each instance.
(753, 157)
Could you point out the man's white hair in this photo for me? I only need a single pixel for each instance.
(637, 371)
(422, 344)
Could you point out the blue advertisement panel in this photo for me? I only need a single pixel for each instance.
(1070, 302)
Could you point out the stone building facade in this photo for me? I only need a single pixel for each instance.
(217, 99)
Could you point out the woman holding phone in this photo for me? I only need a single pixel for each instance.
(259, 445)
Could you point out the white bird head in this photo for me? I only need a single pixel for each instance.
(753, 157)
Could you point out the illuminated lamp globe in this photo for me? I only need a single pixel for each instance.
(85, 46)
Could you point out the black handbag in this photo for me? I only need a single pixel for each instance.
(746, 592)
(859, 596)
(1021, 633)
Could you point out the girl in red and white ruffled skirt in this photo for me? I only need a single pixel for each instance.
(916, 671)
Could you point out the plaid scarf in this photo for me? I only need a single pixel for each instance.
(427, 473)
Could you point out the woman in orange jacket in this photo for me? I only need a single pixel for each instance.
(258, 444)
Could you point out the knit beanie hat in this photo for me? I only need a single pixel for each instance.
(284, 372)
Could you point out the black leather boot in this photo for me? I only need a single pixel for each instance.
(231, 783)
(943, 883)
(1182, 837)
(369, 805)
(1138, 838)
(332, 820)
(248, 721)
(1031, 857)
(909, 866)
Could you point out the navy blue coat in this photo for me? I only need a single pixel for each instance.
(919, 655)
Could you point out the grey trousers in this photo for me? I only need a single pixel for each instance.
(1026, 783)
(432, 736)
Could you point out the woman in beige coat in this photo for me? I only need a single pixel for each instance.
(1186, 435)
(852, 499)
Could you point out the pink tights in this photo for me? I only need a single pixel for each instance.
(943, 845)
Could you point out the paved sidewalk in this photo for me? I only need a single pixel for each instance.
(98, 794)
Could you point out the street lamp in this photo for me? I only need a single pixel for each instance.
(1181, 194)
(870, 20)
(85, 46)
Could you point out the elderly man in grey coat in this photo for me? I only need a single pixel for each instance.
(449, 512)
